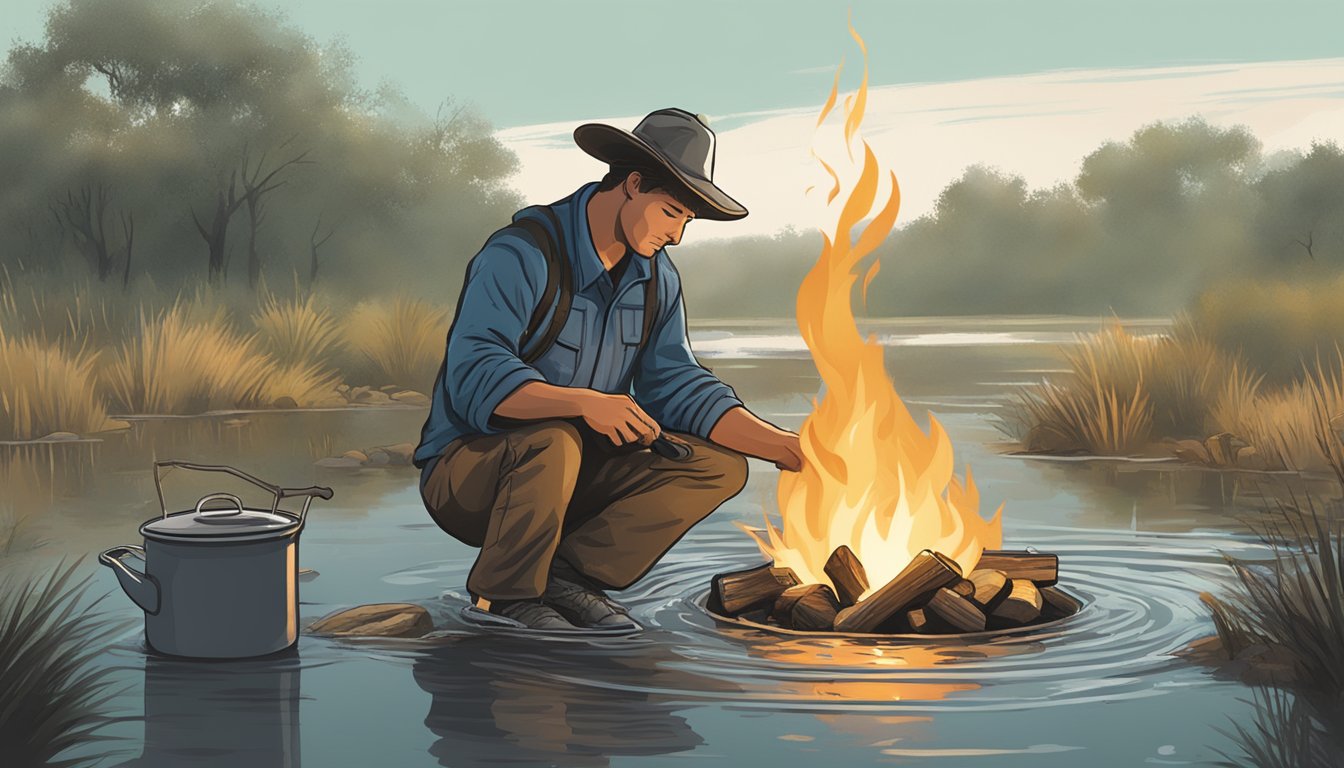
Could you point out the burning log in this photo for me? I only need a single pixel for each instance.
(741, 591)
(956, 611)
(919, 621)
(847, 574)
(1031, 566)
(990, 587)
(965, 588)
(927, 573)
(1021, 606)
(806, 607)
(1058, 603)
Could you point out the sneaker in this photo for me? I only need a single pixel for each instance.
(531, 614)
(582, 603)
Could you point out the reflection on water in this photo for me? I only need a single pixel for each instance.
(503, 701)
(221, 714)
(1103, 688)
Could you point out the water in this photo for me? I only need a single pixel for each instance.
(1103, 688)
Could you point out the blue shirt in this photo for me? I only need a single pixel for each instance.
(596, 347)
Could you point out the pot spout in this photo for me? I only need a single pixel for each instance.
(141, 587)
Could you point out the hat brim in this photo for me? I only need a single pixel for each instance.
(617, 147)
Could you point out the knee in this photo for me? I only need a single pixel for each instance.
(725, 469)
(546, 440)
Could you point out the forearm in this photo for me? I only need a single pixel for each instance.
(540, 400)
(743, 431)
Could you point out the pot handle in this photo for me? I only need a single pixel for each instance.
(279, 493)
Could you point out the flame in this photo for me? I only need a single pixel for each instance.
(872, 479)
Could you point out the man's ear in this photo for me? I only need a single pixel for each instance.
(632, 182)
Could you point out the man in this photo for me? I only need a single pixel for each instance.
(546, 466)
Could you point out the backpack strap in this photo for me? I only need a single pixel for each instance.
(559, 283)
(650, 304)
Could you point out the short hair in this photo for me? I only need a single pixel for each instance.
(653, 180)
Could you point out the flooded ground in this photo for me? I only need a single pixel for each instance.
(1137, 541)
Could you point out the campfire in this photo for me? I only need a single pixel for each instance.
(877, 533)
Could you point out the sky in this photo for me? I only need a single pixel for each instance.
(1029, 86)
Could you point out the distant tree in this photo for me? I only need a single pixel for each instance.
(1301, 212)
(161, 98)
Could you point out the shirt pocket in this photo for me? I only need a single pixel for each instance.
(632, 324)
(560, 363)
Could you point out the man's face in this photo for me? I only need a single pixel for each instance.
(651, 220)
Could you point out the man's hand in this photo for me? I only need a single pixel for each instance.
(790, 453)
(619, 418)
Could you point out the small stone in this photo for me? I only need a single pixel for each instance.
(389, 388)
(410, 397)
(338, 463)
(356, 393)
(59, 437)
(342, 388)
(400, 454)
(373, 397)
(377, 457)
(285, 401)
(359, 456)
(307, 574)
(377, 620)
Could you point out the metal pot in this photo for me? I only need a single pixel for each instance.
(218, 583)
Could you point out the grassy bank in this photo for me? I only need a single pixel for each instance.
(1219, 390)
(72, 354)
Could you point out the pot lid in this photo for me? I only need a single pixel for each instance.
(232, 522)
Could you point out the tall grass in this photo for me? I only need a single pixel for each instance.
(297, 331)
(45, 388)
(178, 365)
(402, 340)
(51, 697)
(1291, 426)
(1121, 391)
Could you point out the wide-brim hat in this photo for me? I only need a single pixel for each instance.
(673, 139)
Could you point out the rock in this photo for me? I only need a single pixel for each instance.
(353, 395)
(377, 457)
(308, 574)
(115, 424)
(377, 620)
(342, 389)
(373, 397)
(410, 397)
(1222, 448)
(359, 456)
(1191, 451)
(338, 463)
(400, 454)
(285, 401)
(389, 388)
(60, 437)
(1249, 457)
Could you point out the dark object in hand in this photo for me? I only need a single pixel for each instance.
(671, 448)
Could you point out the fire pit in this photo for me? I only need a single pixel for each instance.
(1008, 590)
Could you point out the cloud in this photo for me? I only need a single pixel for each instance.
(1039, 126)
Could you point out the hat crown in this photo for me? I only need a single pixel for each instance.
(682, 138)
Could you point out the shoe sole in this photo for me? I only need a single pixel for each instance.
(484, 619)
(481, 618)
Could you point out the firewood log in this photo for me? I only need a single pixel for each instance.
(956, 610)
(918, 621)
(926, 573)
(1034, 566)
(847, 574)
(1021, 606)
(965, 588)
(807, 607)
(1057, 603)
(741, 591)
(990, 588)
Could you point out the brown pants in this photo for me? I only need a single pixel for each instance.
(551, 487)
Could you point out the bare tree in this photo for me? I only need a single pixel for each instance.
(1307, 245)
(255, 188)
(85, 217)
(128, 232)
(313, 245)
(227, 202)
